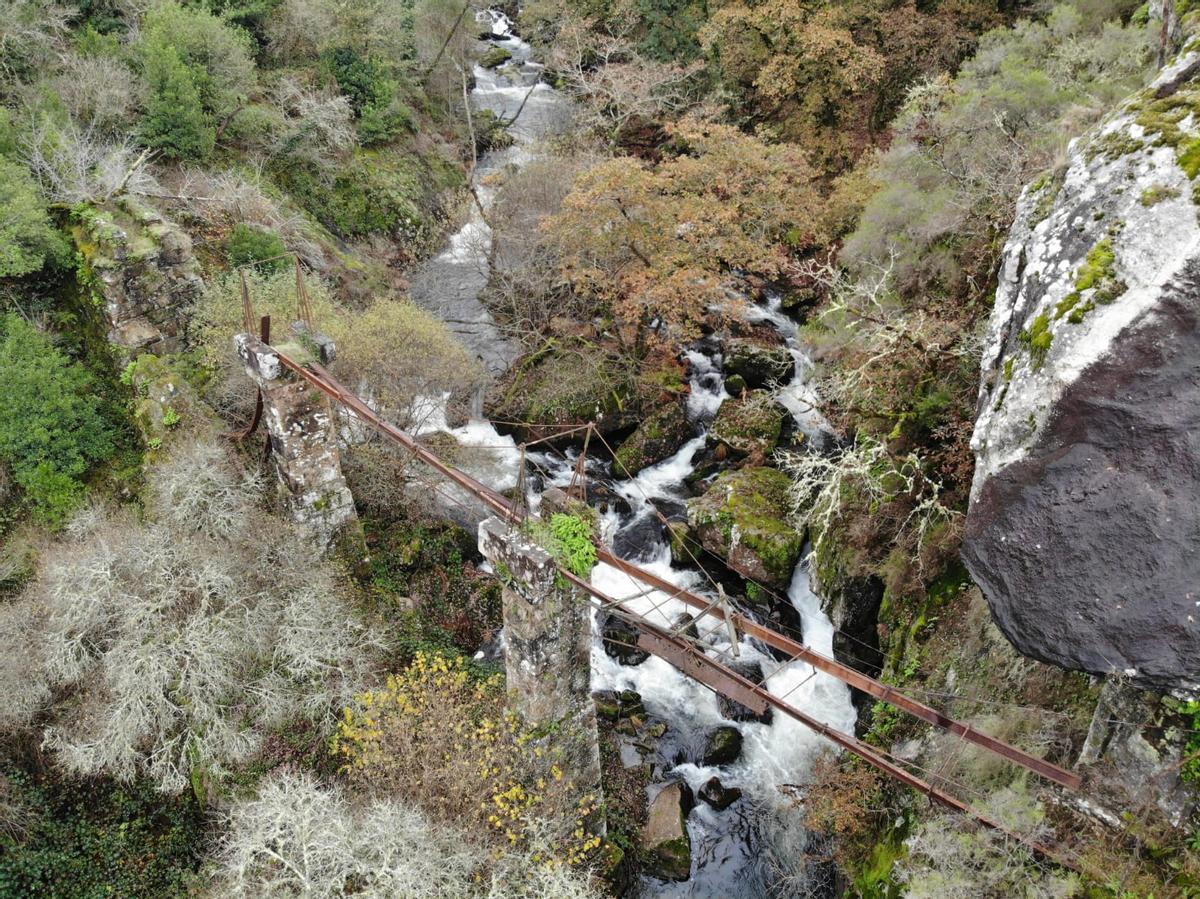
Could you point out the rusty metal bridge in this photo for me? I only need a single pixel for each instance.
(692, 657)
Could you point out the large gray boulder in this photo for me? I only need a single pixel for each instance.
(1084, 524)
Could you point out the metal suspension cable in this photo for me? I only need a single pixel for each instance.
(325, 382)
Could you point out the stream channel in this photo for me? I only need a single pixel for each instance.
(727, 856)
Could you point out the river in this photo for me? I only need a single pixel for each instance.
(727, 846)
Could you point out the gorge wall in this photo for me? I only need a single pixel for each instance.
(1085, 512)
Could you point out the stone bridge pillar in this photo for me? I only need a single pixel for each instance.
(548, 643)
(302, 431)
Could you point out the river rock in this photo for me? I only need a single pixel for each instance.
(613, 705)
(749, 425)
(743, 519)
(665, 835)
(723, 746)
(1085, 508)
(734, 710)
(758, 364)
(658, 437)
(620, 640)
(718, 795)
(640, 539)
(570, 383)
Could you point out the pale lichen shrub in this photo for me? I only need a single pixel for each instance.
(299, 838)
(949, 860)
(186, 639)
(866, 470)
(24, 688)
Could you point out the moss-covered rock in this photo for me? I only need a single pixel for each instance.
(656, 438)
(495, 57)
(749, 425)
(139, 268)
(761, 365)
(743, 518)
(665, 836)
(723, 746)
(564, 384)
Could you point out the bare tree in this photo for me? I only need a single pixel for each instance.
(619, 86)
(187, 639)
(32, 32)
(319, 126)
(77, 164)
(100, 92)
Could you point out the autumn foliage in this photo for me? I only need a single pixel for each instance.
(662, 241)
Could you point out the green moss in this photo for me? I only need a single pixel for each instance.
(1097, 266)
(1037, 339)
(1162, 116)
(1098, 274)
(673, 859)
(1189, 158)
(1157, 193)
(749, 508)
(747, 424)
(1009, 364)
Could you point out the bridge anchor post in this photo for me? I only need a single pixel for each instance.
(301, 427)
(547, 630)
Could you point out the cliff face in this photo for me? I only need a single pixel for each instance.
(1084, 526)
(143, 270)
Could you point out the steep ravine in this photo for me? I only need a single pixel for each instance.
(725, 844)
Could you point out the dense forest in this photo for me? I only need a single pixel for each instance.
(752, 249)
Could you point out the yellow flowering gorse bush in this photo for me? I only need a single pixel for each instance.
(443, 737)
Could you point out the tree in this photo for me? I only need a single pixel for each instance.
(621, 88)
(175, 121)
(800, 65)
(219, 58)
(662, 241)
(27, 237)
(297, 837)
(52, 429)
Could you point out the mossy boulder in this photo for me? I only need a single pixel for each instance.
(665, 839)
(749, 425)
(658, 437)
(723, 746)
(759, 364)
(564, 384)
(495, 57)
(743, 519)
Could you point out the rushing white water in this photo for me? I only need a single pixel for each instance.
(798, 396)
(726, 861)
(451, 283)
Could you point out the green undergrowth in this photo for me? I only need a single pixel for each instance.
(570, 538)
(85, 839)
(423, 578)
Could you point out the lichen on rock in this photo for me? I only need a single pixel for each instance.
(1083, 514)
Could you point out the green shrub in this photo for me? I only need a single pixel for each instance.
(250, 243)
(380, 191)
(218, 57)
(363, 80)
(85, 839)
(175, 121)
(28, 240)
(52, 429)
